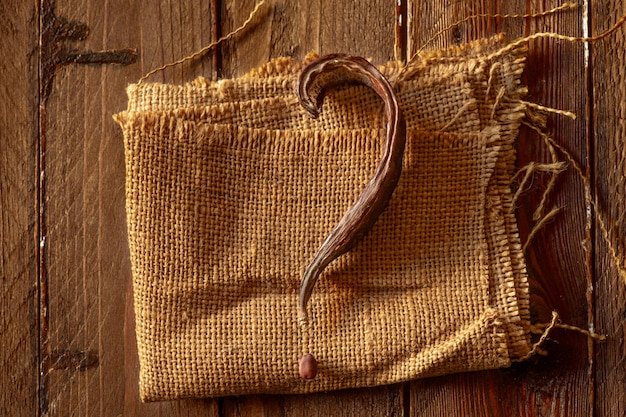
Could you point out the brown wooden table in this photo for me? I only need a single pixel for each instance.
(66, 324)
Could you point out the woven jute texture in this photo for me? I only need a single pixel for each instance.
(231, 188)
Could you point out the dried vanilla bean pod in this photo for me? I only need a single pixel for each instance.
(315, 79)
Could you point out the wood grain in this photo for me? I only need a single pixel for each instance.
(433, 25)
(609, 181)
(382, 401)
(557, 260)
(87, 261)
(295, 28)
(18, 216)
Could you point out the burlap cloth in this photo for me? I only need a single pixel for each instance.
(231, 188)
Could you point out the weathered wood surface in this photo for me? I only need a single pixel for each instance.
(608, 143)
(18, 209)
(66, 296)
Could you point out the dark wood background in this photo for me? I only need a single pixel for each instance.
(66, 322)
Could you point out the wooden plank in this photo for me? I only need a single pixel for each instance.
(86, 258)
(294, 28)
(558, 384)
(385, 401)
(18, 216)
(93, 370)
(433, 25)
(608, 62)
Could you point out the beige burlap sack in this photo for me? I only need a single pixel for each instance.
(232, 187)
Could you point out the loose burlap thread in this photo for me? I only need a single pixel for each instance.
(231, 188)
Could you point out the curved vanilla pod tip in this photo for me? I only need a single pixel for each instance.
(315, 79)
